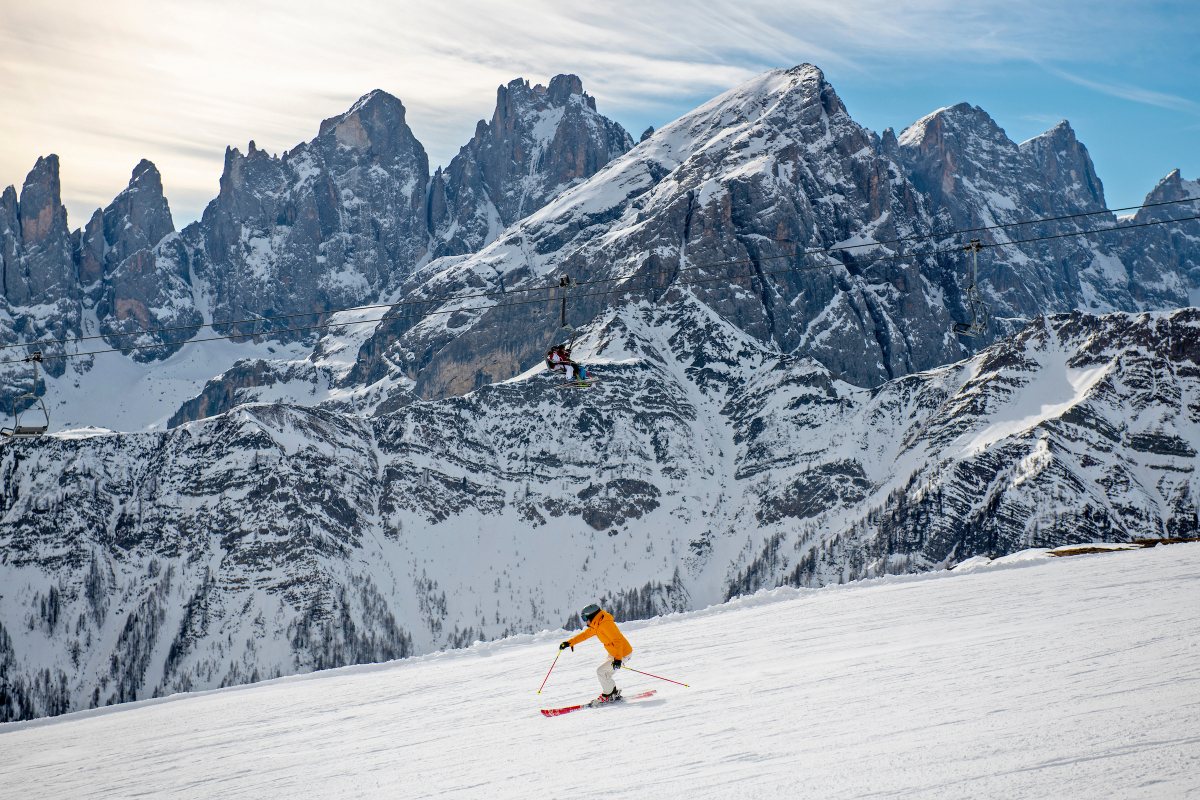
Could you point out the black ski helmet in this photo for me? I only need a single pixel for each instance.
(589, 611)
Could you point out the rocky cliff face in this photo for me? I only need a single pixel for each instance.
(145, 280)
(541, 140)
(974, 177)
(277, 539)
(1168, 251)
(40, 273)
(41, 292)
(332, 223)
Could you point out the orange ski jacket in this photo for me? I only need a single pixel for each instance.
(605, 629)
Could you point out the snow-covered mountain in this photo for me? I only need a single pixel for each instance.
(276, 539)
(768, 169)
(353, 216)
(974, 176)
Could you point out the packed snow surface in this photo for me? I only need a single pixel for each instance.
(1030, 676)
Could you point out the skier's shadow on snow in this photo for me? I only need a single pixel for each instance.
(660, 701)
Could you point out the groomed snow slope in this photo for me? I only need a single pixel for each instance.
(1027, 677)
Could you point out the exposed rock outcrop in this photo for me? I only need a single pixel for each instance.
(330, 224)
(41, 290)
(147, 270)
(541, 140)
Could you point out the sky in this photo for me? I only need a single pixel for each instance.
(104, 85)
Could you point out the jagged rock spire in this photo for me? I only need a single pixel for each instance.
(541, 140)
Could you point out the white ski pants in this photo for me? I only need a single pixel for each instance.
(605, 673)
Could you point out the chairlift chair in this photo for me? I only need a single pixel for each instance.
(31, 403)
(979, 312)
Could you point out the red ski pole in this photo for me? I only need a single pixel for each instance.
(631, 669)
(543, 686)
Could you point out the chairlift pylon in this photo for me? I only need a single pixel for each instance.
(979, 312)
(564, 283)
(35, 403)
(558, 357)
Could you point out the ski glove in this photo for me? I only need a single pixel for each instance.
(565, 645)
(616, 663)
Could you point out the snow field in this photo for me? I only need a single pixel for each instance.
(1035, 677)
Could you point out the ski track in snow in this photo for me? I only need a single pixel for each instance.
(1034, 677)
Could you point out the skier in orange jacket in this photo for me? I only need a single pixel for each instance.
(601, 625)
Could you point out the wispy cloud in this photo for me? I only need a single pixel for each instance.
(1127, 91)
(1041, 119)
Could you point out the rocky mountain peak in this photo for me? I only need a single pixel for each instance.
(974, 176)
(331, 223)
(1066, 168)
(42, 212)
(139, 217)
(512, 99)
(144, 166)
(1173, 187)
(375, 124)
(10, 223)
(1161, 250)
(541, 140)
(563, 86)
(955, 143)
(38, 267)
(798, 101)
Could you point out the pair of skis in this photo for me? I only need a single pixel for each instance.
(597, 703)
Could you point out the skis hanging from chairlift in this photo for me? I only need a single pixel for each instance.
(32, 403)
(979, 312)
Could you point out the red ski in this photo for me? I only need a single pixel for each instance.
(597, 703)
